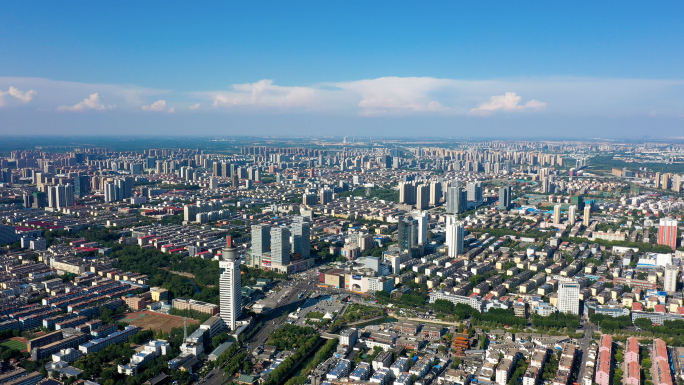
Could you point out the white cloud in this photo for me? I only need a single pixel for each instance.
(510, 101)
(159, 105)
(90, 103)
(265, 94)
(195, 106)
(24, 97)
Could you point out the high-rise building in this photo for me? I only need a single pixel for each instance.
(572, 215)
(230, 286)
(568, 297)
(81, 185)
(667, 232)
(213, 183)
(422, 222)
(577, 201)
(557, 214)
(261, 239)
(61, 196)
(454, 236)
(455, 199)
(670, 278)
(407, 236)
(407, 193)
(301, 237)
(326, 195)
(474, 190)
(280, 245)
(587, 215)
(505, 197)
(422, 197)
(435, 193)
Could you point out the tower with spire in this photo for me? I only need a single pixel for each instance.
(230, 286)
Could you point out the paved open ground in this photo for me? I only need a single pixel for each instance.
(150, 320)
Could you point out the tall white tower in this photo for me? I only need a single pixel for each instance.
(230, 285)
(670, 277)
(454, 236)
(572, 215)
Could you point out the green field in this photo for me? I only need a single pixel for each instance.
(13, 344)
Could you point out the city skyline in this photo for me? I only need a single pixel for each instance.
(448, 70)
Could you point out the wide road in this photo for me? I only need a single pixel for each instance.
(584, 344)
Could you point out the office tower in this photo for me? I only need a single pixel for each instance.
(568, 297)
(280, 245)
(670, 278)
(572, 215)
(454, 236)
(81, 185)
(455, 199)
(422, 197)
(587, 215)
(261, 239)
(505, 193)
(422, 220)
(301, 237)
(435, 193)
(557, 214)
(474, 190)
(213, 183)
(407, 236)
(667, 232)
(577, 201)
(230, 286)
(326, 196)
(39, 200)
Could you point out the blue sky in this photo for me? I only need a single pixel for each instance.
(495, 68)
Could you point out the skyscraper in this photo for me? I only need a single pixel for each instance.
(280, 245)
(301, 237)
(422, 222)
(435, 192)
(455, 199)
(667, 232)
(568, 297)
(61, 196)
(407, 236)
(505, 197)
(572, 215)
(261, 239)
(557, 214)
(230, 286)
(670, 278)
(454, 236)
(422, 196)
(587, 215)
(81, 185)
(474, 190)
(407, 193)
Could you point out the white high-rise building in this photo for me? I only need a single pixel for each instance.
(230, 286)
(61, 196)
(572, 215)
(670, 277)
(454, 236)
(587, 215)
(213, 183)
(421, 217)
(556, 214)
(568, 297)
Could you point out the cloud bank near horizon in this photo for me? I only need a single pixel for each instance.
(387, 96)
